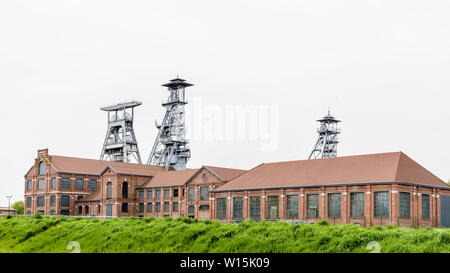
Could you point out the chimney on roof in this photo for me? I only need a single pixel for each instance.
(43, 152)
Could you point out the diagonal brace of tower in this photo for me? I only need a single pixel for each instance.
(326, 144)
(120, 142)
(170, 149)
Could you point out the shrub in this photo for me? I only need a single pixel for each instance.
(323, 222)
(8, 216)
(37, 215)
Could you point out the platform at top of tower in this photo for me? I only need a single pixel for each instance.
(121, 106)
(328, 118)
(177, 82)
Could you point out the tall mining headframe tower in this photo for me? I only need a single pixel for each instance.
(170, 149)
(120, 142)
(326, 144)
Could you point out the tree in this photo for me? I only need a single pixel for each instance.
(19, 206)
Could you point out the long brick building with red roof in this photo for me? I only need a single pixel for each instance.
(368, 190)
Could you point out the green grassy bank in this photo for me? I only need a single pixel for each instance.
(30, 234)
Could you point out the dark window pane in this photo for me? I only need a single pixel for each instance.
(357, 204)
(425, 206)
(149, 207)
(109, 190)
(158, 193)
(52, 200)
(204, 195)
(404, 205)
(53, 183)
(255, 207)
(238, 207)
(65, 183)
(158, 206)
(141, 194)
(29, 185)
(149, 194)
(166, 192)
(191, 209)
(124, 207)
(41, 184)
(203, 207)
(381, 206)
(40, 201)
(221, 208)
(141, 207)
(41, 168)
(334, 205)
(65, 200)
(273, 207)
(79, 184)
(312, 205)
(28, 202)
(166, 206)
(175, 206)
(292, 206)
(191, 193)
(175, 192)
(92, 185)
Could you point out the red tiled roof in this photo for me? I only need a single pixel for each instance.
(96, 167)
(372, 168)
(226, 173)
(170, 178)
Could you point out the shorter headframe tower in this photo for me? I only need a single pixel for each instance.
(326, 145)
(120, 141)
(170, 149)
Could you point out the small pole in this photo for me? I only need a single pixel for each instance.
(9, 202)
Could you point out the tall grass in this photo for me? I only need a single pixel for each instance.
(29, 234)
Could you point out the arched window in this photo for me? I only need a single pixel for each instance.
(109, 190)
(41, 168)
(124, 190)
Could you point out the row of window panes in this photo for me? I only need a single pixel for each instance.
(64, 202)
(381, 206)
(65, 184)
(175, 193)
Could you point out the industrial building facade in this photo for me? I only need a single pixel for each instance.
(368, 190)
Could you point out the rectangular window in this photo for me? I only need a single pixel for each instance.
(28, 202)
(149, 207)
(334, 205)
(79, 184)
(273, 207)
(191, 209)
(357, 204)
(166, 206)
(149, 194)
(238, 207)
(65, 200)
(175, 206)
(52, 200)
(312, 206)
(40, 201)
(41, 184)
(158, 206)
(65, 212)
(80, 210)
(175, 192)
(166, 192)
(86, 210)
(404, 205)
(29, 185)
(255, 207)
(203, 207)
(425, 206)
(92, 185)
(141, 207)
(141, 194)
(53, 183)
(221, 208)
(381, 204)
(204, 193)
(65, 183)
(124, 207)
(158, 193)
(292, 206)
(191, 194)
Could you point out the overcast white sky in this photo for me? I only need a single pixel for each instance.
(381, 66)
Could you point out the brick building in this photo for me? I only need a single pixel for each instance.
(375, 189)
